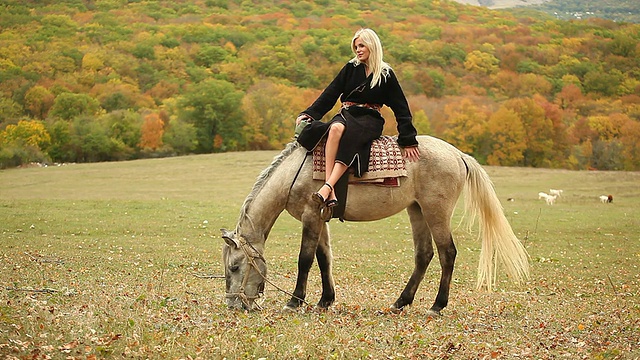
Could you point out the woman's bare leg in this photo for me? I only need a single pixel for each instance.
(334, 170)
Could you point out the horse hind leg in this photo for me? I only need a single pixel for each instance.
(440, 225)
(423, 253)
(447, 254)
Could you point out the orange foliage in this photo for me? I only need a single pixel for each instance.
(151, 132)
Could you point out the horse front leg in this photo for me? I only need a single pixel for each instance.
(310, 235)
(423, 253)
(325, 259)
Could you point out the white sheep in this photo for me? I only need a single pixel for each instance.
(606, 198)
(555, 192)
(550, 199)
(542, 195)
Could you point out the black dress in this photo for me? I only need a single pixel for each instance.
(362, 124)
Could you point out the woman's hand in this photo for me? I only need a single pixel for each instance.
(411, 153)
(302, 117)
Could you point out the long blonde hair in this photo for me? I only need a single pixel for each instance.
(378, 67)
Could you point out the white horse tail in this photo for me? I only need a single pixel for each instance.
(499, 243)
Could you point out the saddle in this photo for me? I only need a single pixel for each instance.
(386, 166)
(386, 163)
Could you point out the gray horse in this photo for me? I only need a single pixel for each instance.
(429, 193)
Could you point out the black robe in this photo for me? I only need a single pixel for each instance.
(362, 125)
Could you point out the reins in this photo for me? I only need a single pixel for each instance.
(251, 259)
(297, 174)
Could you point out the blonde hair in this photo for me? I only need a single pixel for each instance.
(378, 67)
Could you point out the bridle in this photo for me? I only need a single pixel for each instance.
(252, 255)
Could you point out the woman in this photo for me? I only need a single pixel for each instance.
(364, 85)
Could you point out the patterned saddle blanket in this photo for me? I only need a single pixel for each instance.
(386, 163)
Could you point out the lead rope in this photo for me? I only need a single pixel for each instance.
(255, 266)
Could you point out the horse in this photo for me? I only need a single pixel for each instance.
(429, 194)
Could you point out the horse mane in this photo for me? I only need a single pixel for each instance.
(264, 176)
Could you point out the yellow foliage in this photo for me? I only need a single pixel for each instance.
(26, 132)
(92, 62)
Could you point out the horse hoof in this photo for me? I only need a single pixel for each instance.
(433, 313)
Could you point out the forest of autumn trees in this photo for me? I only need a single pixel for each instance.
(106, 80)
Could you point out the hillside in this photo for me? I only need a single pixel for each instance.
(501, 4)
(84, 81)
(616, 10)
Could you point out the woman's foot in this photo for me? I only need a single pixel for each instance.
(326, 196)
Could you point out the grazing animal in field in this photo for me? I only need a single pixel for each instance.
(555, 192)
(429, 194)
(606, 199)
(551, 199)
(511, 199)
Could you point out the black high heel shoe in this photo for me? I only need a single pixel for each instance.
(321, 200)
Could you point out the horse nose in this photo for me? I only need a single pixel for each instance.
(234, 304)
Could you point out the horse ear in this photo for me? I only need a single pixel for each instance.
(229, 238)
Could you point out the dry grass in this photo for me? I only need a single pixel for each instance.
(107, 261)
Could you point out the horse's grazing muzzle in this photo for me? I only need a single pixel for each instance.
(239, 302)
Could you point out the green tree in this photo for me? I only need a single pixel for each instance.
(124, 127)
(181, 137)
(10, 111)
(90, 141)
(602, 82)
(61, 148)
(214, 108)
(69, 105)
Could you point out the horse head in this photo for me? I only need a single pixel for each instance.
(245, 270)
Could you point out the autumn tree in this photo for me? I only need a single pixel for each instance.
(569, 96)
(151, 132)
(271, 110)
(23, 142)
(481, 63)
(507, 138)
(630, 139)
(466, 126)
(538, 131)
(39, 100)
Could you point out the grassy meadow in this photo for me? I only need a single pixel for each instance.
(120, 260)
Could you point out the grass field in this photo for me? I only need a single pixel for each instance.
(118, 260)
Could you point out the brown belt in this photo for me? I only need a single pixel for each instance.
(347, 104)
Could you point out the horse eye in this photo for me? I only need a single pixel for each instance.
(233, 268)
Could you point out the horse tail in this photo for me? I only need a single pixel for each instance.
(499, 243)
